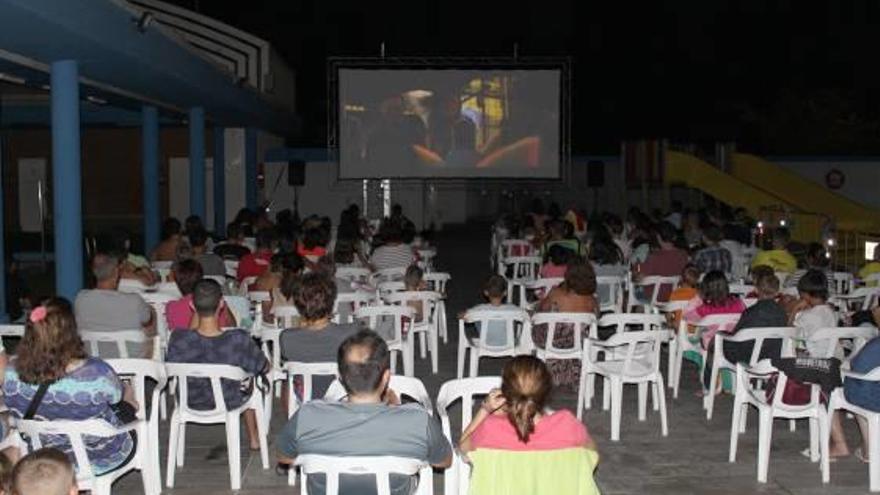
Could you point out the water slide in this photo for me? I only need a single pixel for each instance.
(803, 194)
(687, 169)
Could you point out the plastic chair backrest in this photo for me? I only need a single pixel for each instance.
(308, 371)
(843, 282)
(580, 322)
(437, 281)
(387, 275)
(741, 289)
(272, 336)
(131, 286)
(139, 370)
(403, 386)
(352, 274)
(524, 267)
(162, 265)
(463, 389)
(635, 350)
(75, 431)
(620, 321)
(425, 298)
(834, 336)
(284, 316)
(381, 467)
(214, 373)
(656, 282)
(348, 302)
(390, 287)
(615, 292)
(11, 331)
(118, 338)
(231, 267)
(507, 247)
(760, 336)
(259, 296)
(511, 319)
(373, 314)
(540, 286)
(169, 288)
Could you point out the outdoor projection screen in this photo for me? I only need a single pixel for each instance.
(449, 123)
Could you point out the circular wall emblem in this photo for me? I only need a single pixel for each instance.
(834, 179)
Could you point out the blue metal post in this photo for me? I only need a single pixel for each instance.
(219, 181)
(150, 157)
(4, 316)
(197, 162)
(250, 168)
(66, 178)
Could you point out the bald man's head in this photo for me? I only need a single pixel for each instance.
(44, 472)
(363, 360)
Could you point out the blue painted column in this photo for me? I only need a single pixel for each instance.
(219, 181)
(4, 316)
(250, 168)
(197, 195)
(150, 158)
(66, 178)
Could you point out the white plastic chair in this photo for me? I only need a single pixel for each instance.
(307, 371)
(75, 431)
(759, 335)
(169, 288)
(514, 343)
(271, 346)
(183, 414)
(387, 275)
(836, 339)
(231, 267)
(426, 259)
(403, 386)
(347, 303)
(353, 274)
(437, 282)
(332, 467)
(640, 365)
(456, 478)
(390, 287)
(741, 290)
(138, 371)
(838, 401)
(11, 331)
(284, 316)
(540, 287)
(723, 322)
(644, 322)
(843, 282)
(677, 345)
(507, 247)
(523, 267)
(615, 293)
(863, 298)
(655, 283)
(768, 409)
(401, 341)
(132, 286)
(425, 328)
(121, 340)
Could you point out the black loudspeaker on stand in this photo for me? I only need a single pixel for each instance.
(296, 173)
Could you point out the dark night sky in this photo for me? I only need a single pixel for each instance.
(776, 76)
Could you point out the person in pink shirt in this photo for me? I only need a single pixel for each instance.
(715, 299)
(181, 313)
(557, 260)
(516, 417)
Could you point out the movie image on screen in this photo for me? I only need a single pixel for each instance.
(399, 123)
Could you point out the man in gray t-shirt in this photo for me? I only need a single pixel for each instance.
(366, 423)
(105, 309)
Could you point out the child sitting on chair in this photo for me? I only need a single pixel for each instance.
(687, 290)
(556, 261)
(413, 281)
(495, 292)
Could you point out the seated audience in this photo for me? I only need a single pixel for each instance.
(50, 368)
(347, 254)
(665, 261)
(495, 292)
(181, 313)
(45, 471)
(577, 294)
(607, 260)
(688, 289)
(208, 343)
(132, 266)
(212, 264)
(317, 338)
(556, 261)
(292, 268)
(811, 312)
(778, 258)
(233, 248)
(713, 257)
(517, 416)
(393, 253)
(370, 422)
(765, 313)
(105, 309)
(414, 281)
(557, 237)
(815, 259)
(254, 264)
(313, 245)
(170, 242)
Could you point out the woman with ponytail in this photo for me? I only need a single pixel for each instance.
(52, 378)
(516, 417)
